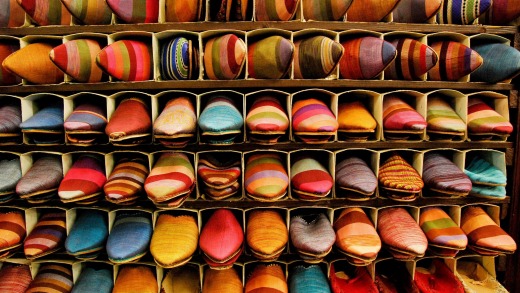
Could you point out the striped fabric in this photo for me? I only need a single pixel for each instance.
(172, 176)
(84, 180)
(400, 232)
(183, 279)
(441, 230)
(12, 229)
(226, 280)
(441, 117)
(398, 115)
(135, 11)
(416, 11)
(91, 12)
(6, 49)
(396, 173)
(354, 174)
(127, 60)
(32, 63)
(272, 10)
(130, 236)
(174, 240)
(46, 12)
(365, 57)
(314, 117)
(355, 117)
(130, 122)
(77, 58)
(441, 175)
(483, 233)
(9, 177)
(502, 12)
(266, 234)
(455, 61)
(501, 62)
(265, 177)
(177, 123)
(356, 235)
(15, 278)
(269, 58)
(224, 57)
(310, 179)
(316, 57)
(52, 277)
(462, 11)
(217, 177)
(482, 119)
(178, 60)
(47, 236)
(267, 278)
(86, 124)
(42, 178)
(482, 172)
(10, 119)
(183, 10)
(325, 10)
(267, 117)
(307, 279)
(379, 9)
(136, 278)
(413, 60)
(221, 121)
(219, 194)
(312, 236)
(126, 181)
(12, 15)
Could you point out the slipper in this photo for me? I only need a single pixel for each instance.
(86, 124)
(77, 59)
(455, 61)
(443, 178)
(312, 236)
(267, 120)
(355, 177)
(272, 10)
(313, 121)
(415, 11)
(414, 59)
(399, 179)
(130, 124)
(177, 123)
(267, 234)
(316, 57)
(443, 121)
(267, 278)
(265, 177)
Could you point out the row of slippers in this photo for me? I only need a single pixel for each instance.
(172, 178)
(469, 276)
(220, 121)
(314, 55)
(175, 239)
(99, 12)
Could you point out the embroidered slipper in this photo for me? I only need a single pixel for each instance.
(455, 61)
(399, 180)
(312, 236)
(356, 179)
(462, 11)
(225, 280)
(129, 237)
(443, 234)
(310, 278)
(267, 120)
(179, 60)
(485, 122)
(316, 57)
(136, 278)
(44, 13)
(10, 120)
(328, 10)
(127, 60)
(224, 57)
(267, 234)
(52, 277)
(130, 124)
(177, 123)
(356, 237)
(443, 122)
(400, 120)
(83, 181)
(313, 121)
(443, 178)
(414, 59)
(182, 279)
(12, 230)
(267, 278)
(135, 11)
(355, 122)
(310, 180)
(88, 234)
(272, 10)
(437, 277)
(265, 177)
(45, 127)
(269, 58)
(89, 12)
(126, 181)
(379, 9)
(415, 11)
(77, 58)
(220, 121)
(42, 180)
(86, 125)
(47, 236)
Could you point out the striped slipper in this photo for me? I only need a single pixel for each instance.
(135, 11)
(177, 123)
(83, 181)
(269, 58)
(356, 237)
(183, 11)
(7, 48)
(130, 124)
(267, 278)
(15, 278)
(400, 120)
(10, 120)
(316, 57)
(379, 9)
(484, 235)
(356, 179)
(89, 12)
(310, 180)
(86, 125)
(265, 177)
(220, 194)
(443, 121)
(45, 126)
(462, 11)
(267, 120)
(171, 180)
(267, 234)
(485, 122)
(126, 181)
(413, 60)
(220, 121)
(312, 236)
(455, 61)
(399, 180)
(127, 60)
(14, 15)
(42, 180)
(443, 178)
(52, 277)
(355, 122)
(47, 236)
(224, 57)
(77, 58)
(445, 238)
(502, 12)
(129, 237)
(216, 174)
(272, 10)
(12, 230)
(9, 177)
(325, 10)
(179, 60)
(313, 121)
(45, 13)
(415, 11)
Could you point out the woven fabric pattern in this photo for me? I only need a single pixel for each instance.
(398, 115)
(177, 118)
(501, 62)
(365, 57)
(46, 12)
(12, 229)
(379, 9)
(441, 230)
(482, 119)
(126, 181)
(48, 118)
(183, 279)
(356, 235)
(220, 116)
(218, 178)
(308, 279)
(222, 236)
(354, 173)
(77, 58)
(316, 57)
(265, 176)
(52, 278)
(442, 174)
(267, 278)
(182, 10)
(400, 231)
(272, 10)
(176, 59)
(481, 171)
(88, 233)
(227, 280)
(10, 118)
(314, 237)
(354, 116)
(396, 173)
(416, 11)
(455, 61)
(129, 225)
(442, 117)
(358, 282)
(15, 278)
(310, 176)
(266, 233)
(127, 60)
(45, 174)
(90, 12)
(6, 49)
(135, 11)
(171, 176)
(313, 115)
(502, 12)
(136, 278)
(32, 63)
(267, 115)
(93, 280)
(86, 117)
(224, 57)
(174, 239)
(462, 11)
(413, 60)
(325, 10)
(130, 118)
(440, 272)
(12, 172)
(12, 15)
(47, 236)
(85, 178)
(269, 58)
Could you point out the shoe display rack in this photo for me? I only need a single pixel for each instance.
(506, 152)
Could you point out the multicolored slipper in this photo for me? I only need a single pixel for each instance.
(313, 121)
(443, 122)
(399, 180)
